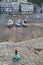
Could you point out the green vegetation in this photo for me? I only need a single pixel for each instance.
(38, 2)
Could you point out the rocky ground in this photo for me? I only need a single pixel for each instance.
(31, 52)
(19, 34)
(28, 41)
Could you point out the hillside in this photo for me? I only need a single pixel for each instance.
(31, 52)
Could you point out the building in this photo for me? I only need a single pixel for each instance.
(14, 5)
(28, 7)
(42, 7)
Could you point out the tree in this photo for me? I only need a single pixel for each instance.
(38, 2)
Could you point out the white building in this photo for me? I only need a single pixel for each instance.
(28, 7)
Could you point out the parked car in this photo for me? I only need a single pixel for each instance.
(10, 23)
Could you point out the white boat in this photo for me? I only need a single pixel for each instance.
(10, 23)
(18, 23)
(24, 23)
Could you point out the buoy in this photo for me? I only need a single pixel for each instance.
(16, 55)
